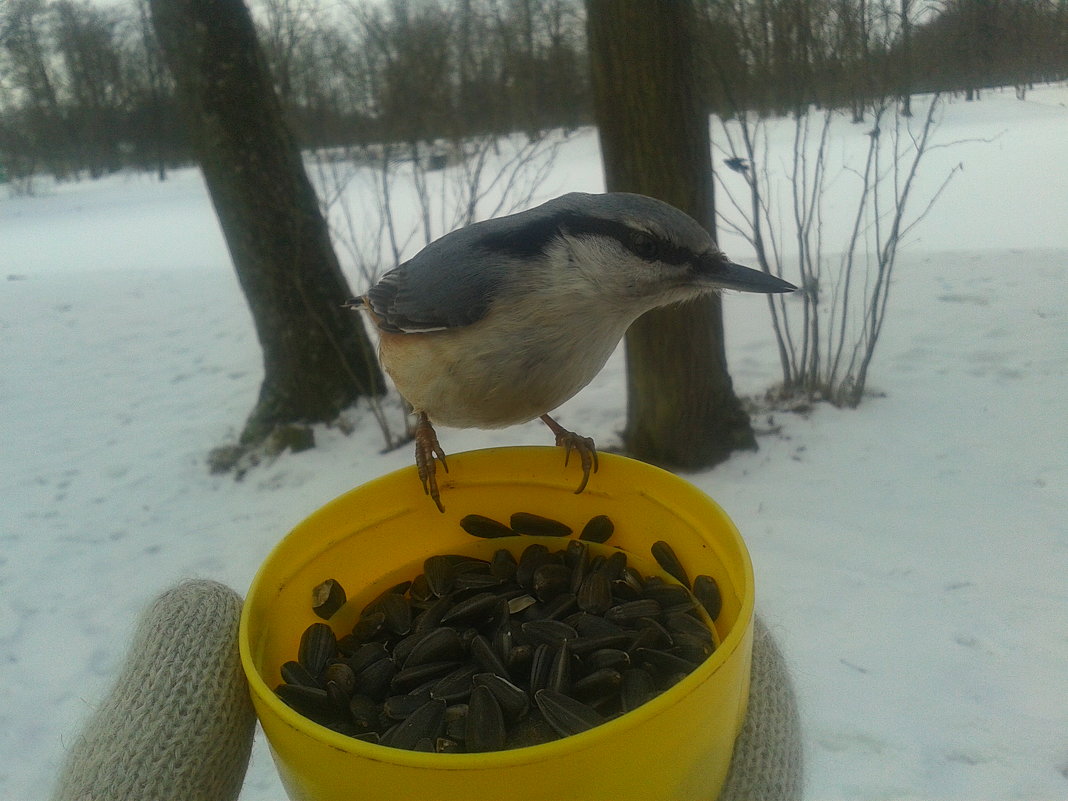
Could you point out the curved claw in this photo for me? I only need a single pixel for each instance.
(427, 449)
(570, 441)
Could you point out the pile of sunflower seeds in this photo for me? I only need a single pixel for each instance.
(482, 655)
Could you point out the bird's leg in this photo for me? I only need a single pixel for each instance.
(587, 451)
(426, 449)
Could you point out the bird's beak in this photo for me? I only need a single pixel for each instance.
(724, 274)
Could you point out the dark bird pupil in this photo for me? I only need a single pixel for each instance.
(644, 246)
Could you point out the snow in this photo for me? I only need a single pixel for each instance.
(910, 554)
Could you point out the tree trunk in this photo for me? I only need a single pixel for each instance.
(316, 355)
(682, 410)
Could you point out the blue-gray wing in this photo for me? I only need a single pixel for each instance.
(453, 281)
(443, 286)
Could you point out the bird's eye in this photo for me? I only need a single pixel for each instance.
(644, 245)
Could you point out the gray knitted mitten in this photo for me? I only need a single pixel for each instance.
(767, 762)
(178, 724)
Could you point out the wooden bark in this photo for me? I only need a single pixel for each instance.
(317, 358)
(682, 410)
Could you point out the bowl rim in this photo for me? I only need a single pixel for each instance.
(262, 693)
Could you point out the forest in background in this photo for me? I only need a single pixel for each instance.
(83, 91)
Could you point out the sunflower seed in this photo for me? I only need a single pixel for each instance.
(668, 595)
(550, 632)
(598, 684)
(520, 658)
(368, 627)
(485, 721)
(338, 697)
(420, 590)
(585, 645)
(396, 589)
(541, 665)
(637, 687)
(666, 558)
(560, 675)
(456, 720)
(430, 618)
(530, 730)
(503, 564)
(691, 648)
(327, 598)
(632, 610)
(521, 602)
(607, 658)
(408, 678)
(538, 526)
(471, 609)
(296, 673)
(682, 623)
(550, 580)
(398, 613)
(479, 526)
(589, 625)
(440, 645)
(532, 557)
(561, 605)
(309, 701)
(664, 661)
(468, 564)
(484, 655)
(438, 574)
(577, 552)
(595, 593)
(614, 566)
(565, 714)
(651, 635)
(341, 674)
(365, 712)
(480, 581)
(399, 707)
(347, 645)
(706, 590)
(455, 686)
(374, 680)
(622, 592)
(365, 655)
(317, 645)
(513, 700)
(426, 721)
(597, 529)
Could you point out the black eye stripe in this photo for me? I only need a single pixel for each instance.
(533, 240)
(629, 238)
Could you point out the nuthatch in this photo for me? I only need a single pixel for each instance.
(502, 321)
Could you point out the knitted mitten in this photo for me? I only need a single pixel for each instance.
(767, 764)
(178, 724)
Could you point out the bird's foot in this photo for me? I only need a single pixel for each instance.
(570, 441)
(426, 450)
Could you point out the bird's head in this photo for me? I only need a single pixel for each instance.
(641, 252)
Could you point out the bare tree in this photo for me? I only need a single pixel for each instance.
(682, 410)
(826, 347)
(317, 358)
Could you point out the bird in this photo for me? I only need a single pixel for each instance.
(738, 164)
(502, 321)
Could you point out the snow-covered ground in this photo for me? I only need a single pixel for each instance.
(911, 555)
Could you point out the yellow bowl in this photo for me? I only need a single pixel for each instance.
(675, 747)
